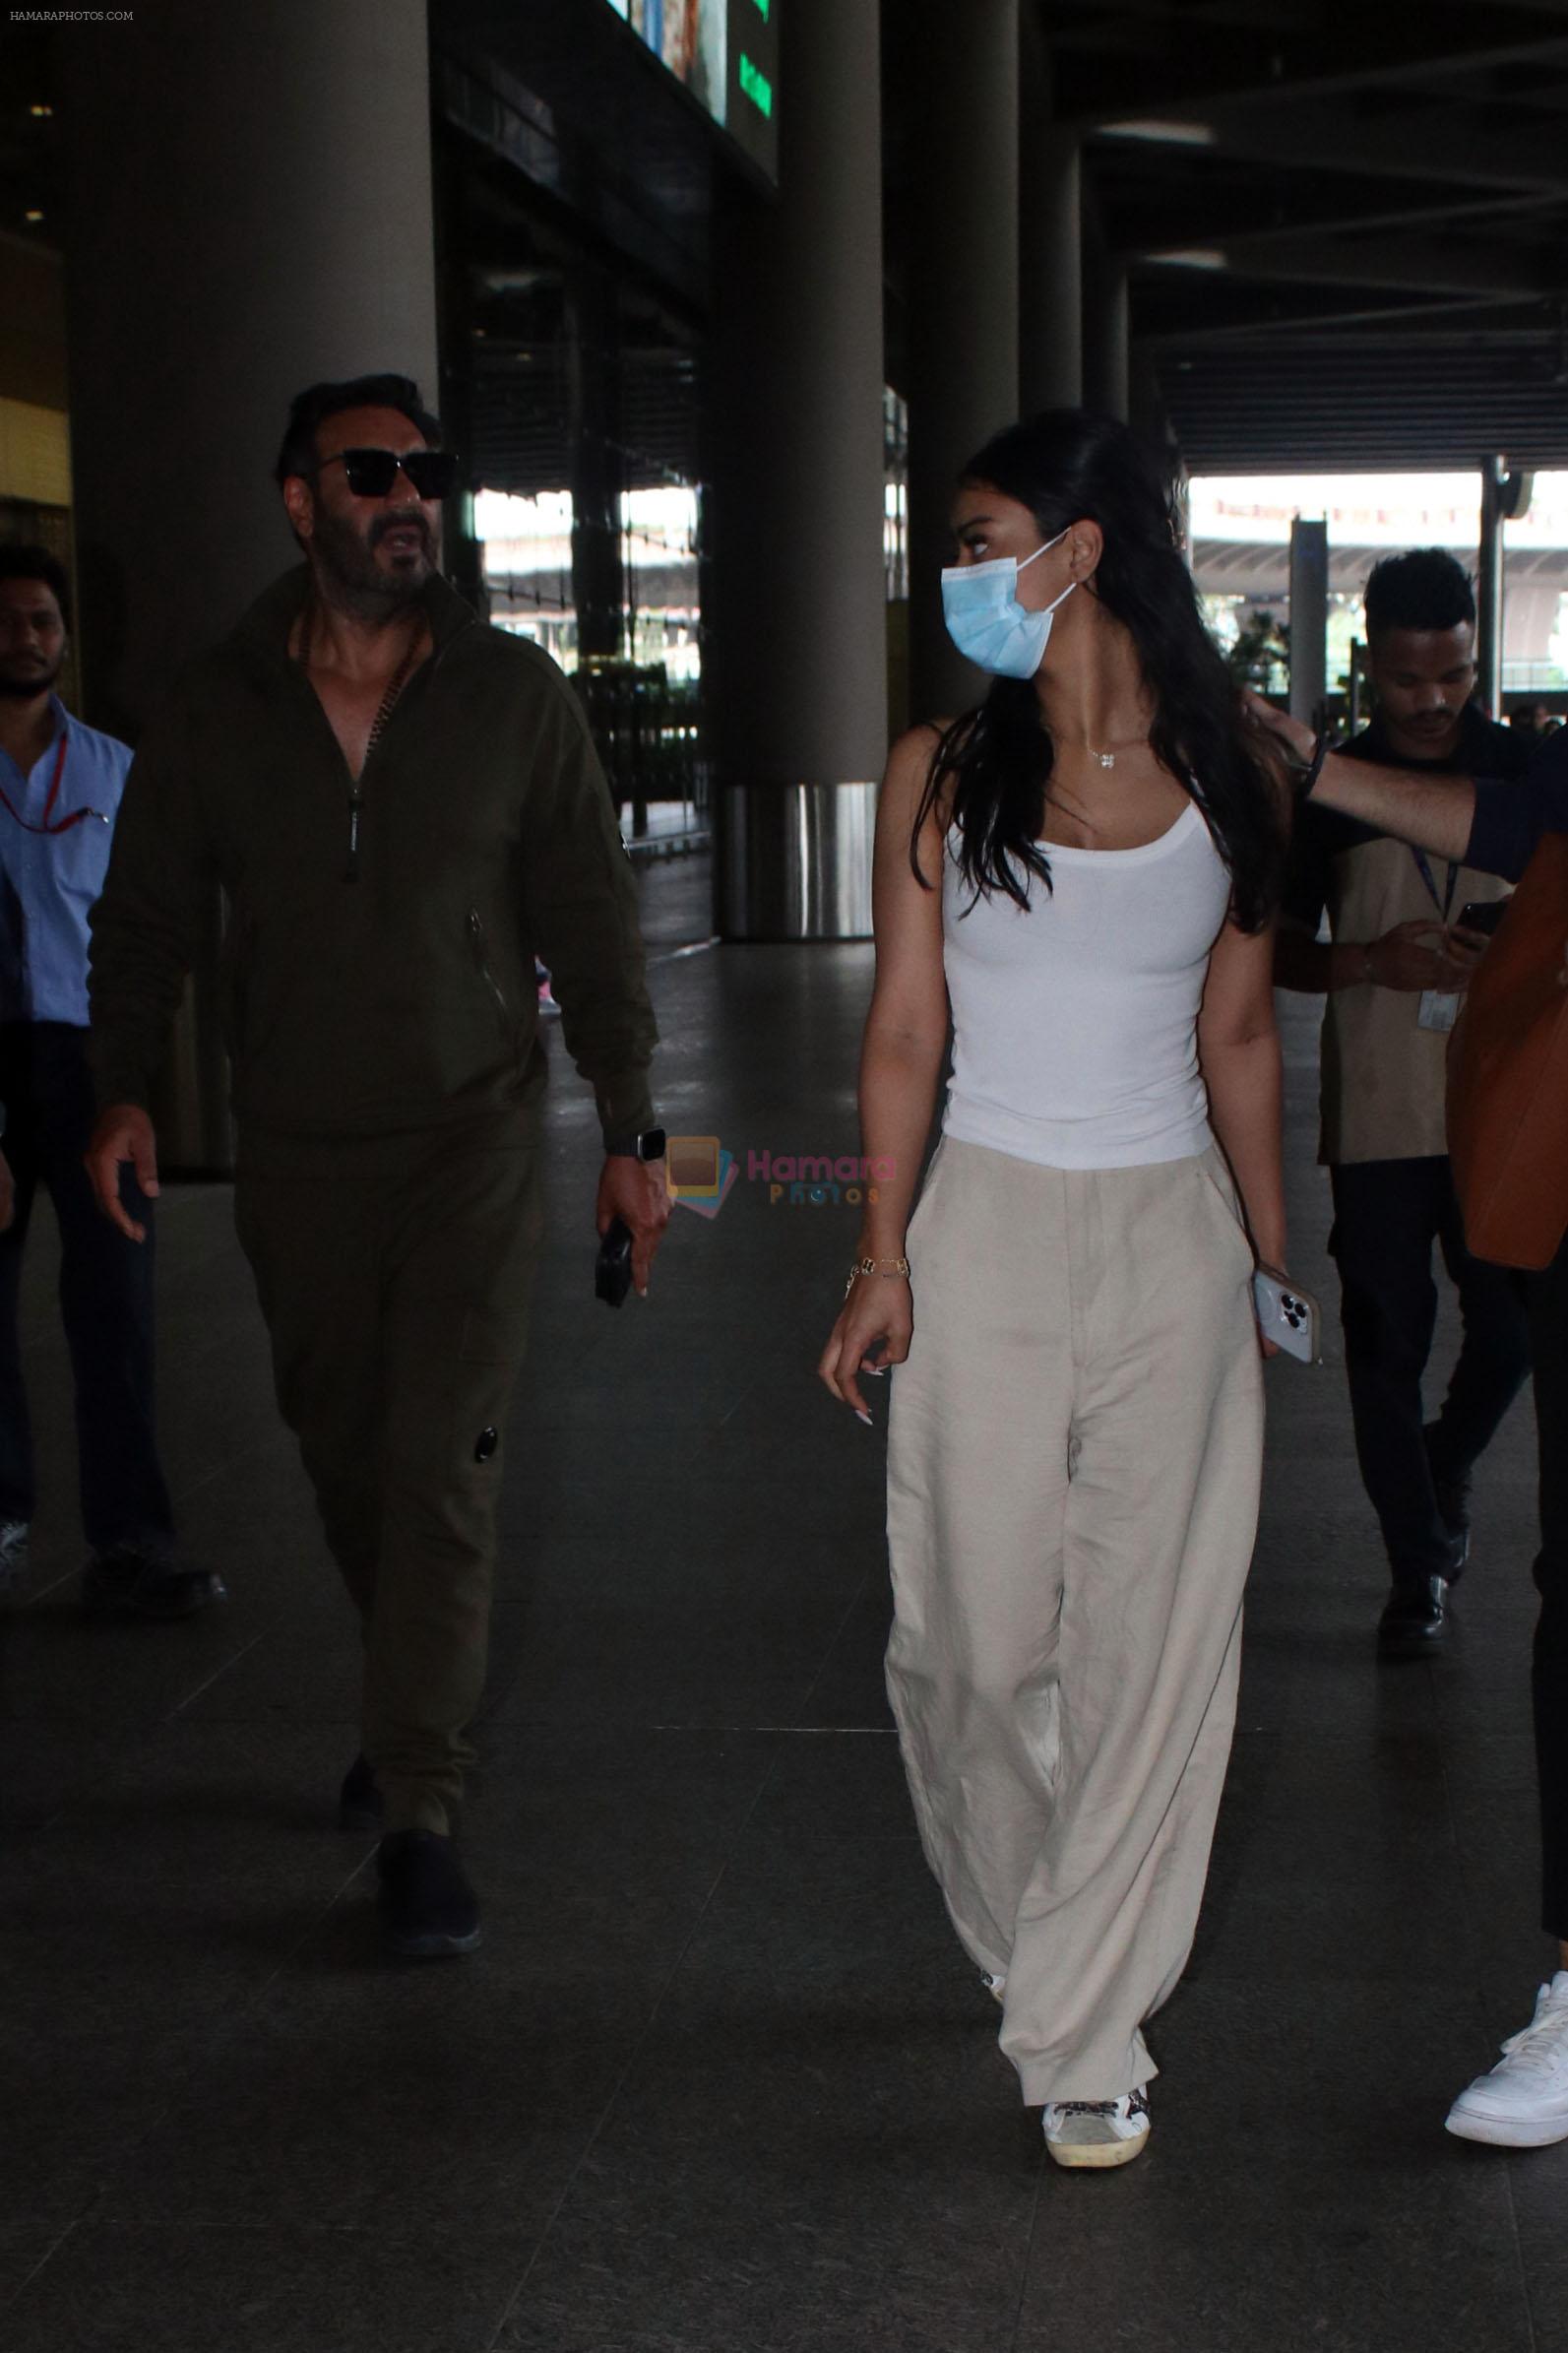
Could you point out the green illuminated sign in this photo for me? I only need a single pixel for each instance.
(726, 55)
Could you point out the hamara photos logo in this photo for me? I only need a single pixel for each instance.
(700, 1174)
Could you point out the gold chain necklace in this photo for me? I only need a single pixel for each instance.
(395, 686)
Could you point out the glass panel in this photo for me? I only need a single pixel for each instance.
(895, 495)
(526, 548)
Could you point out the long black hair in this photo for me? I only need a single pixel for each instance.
(1068, 465)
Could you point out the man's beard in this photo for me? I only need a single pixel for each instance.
(24, 690)
(351, 575)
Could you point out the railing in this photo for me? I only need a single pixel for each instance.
(646, 729)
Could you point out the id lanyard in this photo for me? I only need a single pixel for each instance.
(1423, 868)
(59, 824)
(1439, 1007)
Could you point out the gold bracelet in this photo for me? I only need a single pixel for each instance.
(875, 1266)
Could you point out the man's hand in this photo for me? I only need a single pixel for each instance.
(634, 1190)
(1421, 954)
(1464, 950)
(1293, 735)
(124, 1133)
(8, 1194)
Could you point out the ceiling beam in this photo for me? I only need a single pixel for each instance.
(1316, 326)
(1491, 272)
(1442, 143)
(1138, 225)
(1183, 61)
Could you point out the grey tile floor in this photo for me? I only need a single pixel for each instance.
(720, 2080)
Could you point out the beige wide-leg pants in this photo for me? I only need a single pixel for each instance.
(1073, 1458)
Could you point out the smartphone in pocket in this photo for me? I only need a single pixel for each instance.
(1288, 1315)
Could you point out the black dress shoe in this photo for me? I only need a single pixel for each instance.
(128, 1583)
(1451, 1491)
(428, 1910)
(1415, 1618)
(360, 1807)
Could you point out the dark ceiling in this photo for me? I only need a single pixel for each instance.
(1344, 222)
(1346, 226)
(30, 161)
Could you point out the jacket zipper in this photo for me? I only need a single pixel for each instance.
(482, 956)
(356, 799)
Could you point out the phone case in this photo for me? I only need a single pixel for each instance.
(1288, 1315)
(612, 1270)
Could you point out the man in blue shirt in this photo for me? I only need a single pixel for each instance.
(60, 786)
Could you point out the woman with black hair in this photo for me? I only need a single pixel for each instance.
(1085, 869)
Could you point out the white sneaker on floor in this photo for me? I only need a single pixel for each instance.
(14, 1536)
(1523, 2102)
(1098, 2132)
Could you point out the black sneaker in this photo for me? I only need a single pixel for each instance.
(428, 1910)
(1415, 1618)
(127, 1582)
(360, 1807)
(1452, 1490)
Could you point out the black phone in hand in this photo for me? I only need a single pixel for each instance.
(1482, 915)
(612, 1272)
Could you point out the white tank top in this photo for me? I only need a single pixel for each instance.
(1075, 1021)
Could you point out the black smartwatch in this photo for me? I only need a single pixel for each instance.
(650, 1145)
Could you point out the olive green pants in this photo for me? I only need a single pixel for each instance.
(394, 1275)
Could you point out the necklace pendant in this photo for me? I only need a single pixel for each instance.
(1106, 759)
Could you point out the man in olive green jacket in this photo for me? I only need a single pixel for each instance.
(400, 805)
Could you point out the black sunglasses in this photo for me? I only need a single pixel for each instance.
(371, 473)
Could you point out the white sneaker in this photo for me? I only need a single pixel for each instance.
(1523, 2102)
(1098, 2131)
(13, 1549)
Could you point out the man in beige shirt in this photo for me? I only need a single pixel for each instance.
(1394, 974)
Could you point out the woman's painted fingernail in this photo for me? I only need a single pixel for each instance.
(861, 1415)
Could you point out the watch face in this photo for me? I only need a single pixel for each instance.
(650, 1144)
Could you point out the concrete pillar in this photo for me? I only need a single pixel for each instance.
(1050, 304)
(1497, 503)
(794, 593)
(1147, 415)
(1309, 620)
(457, 238)
(252, 188)
(1107, 336)
(593, 386)
(963, 302)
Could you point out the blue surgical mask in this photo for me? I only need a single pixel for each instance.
(988, 623)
